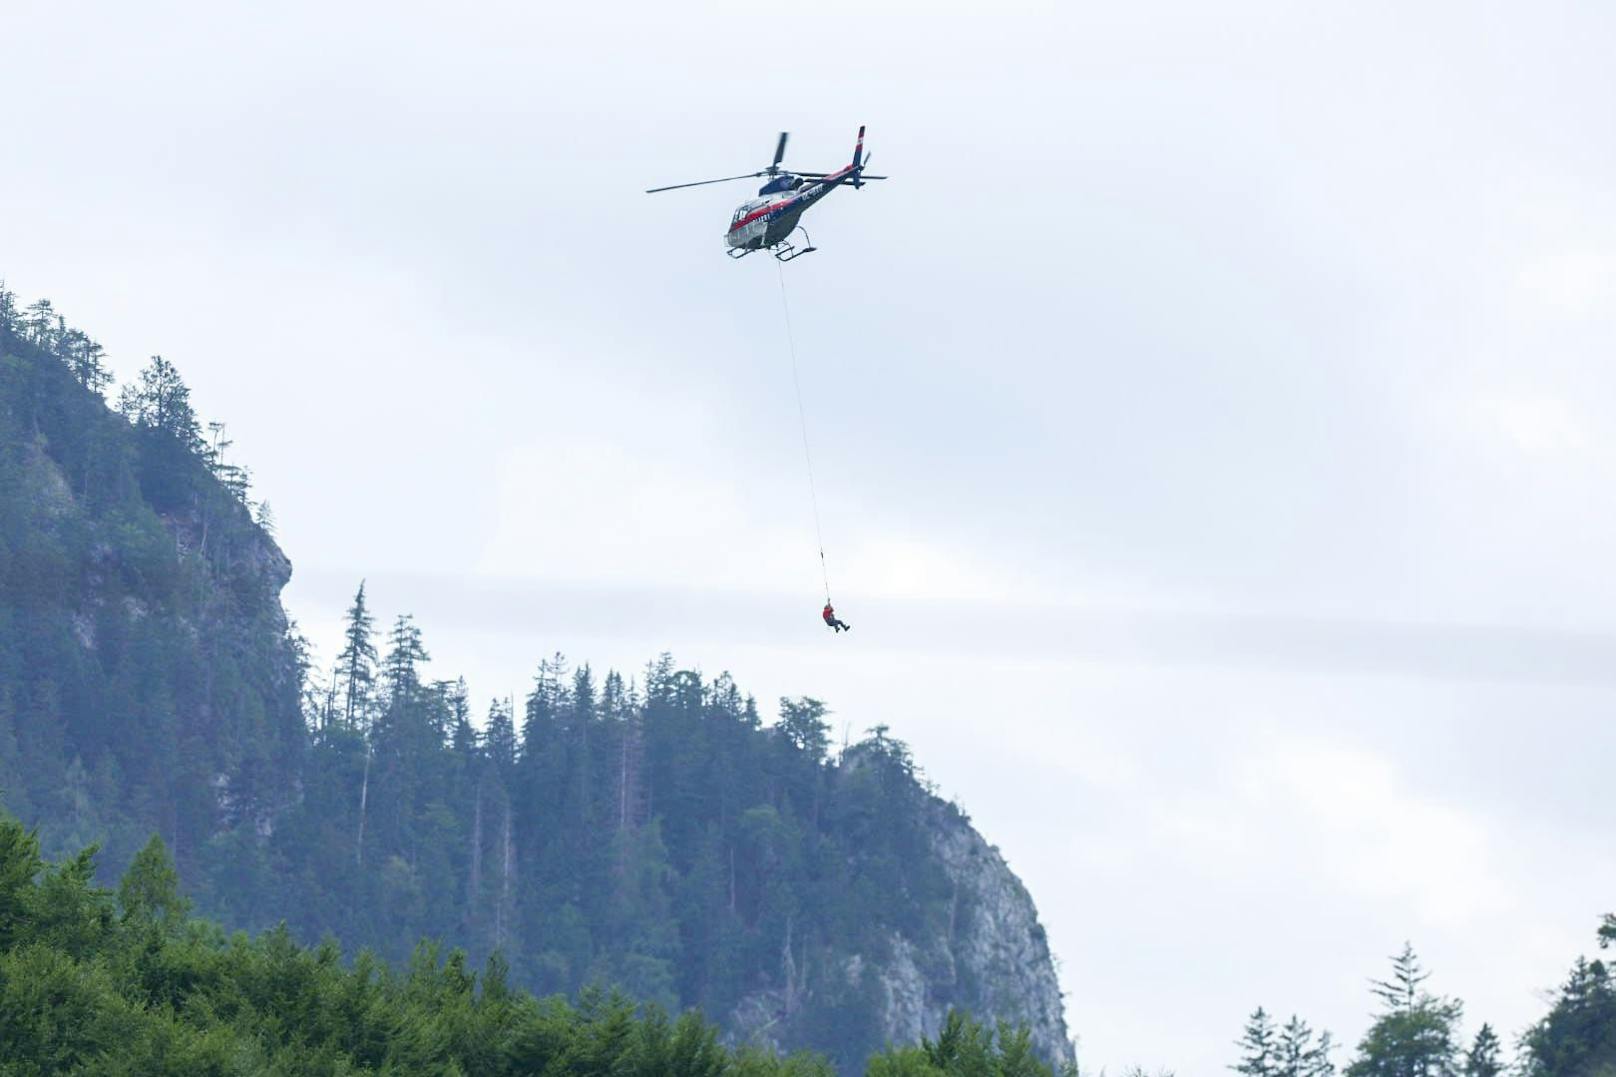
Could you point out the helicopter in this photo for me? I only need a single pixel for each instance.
(768, 221)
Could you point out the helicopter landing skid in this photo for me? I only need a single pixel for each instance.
(740, 252)
(785, 252)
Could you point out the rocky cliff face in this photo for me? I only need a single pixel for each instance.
(1000, 952)
(989, 956)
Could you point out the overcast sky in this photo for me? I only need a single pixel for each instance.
(1214, 415)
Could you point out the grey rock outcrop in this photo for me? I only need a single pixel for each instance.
(992, 960)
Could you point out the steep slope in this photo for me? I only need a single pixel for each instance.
(147, 677)
(649, 833)
(992, 958)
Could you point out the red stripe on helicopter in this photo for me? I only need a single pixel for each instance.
(756, 213)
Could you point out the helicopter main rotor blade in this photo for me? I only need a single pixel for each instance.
(703, 183)
(822, 175)
(779, 152)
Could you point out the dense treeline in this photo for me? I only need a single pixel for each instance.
(647, 834)
(94, 982)
(1417, 1034)
(650, 835)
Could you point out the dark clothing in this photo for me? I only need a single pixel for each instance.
(832, 621)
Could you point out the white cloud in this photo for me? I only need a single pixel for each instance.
(896, 565)
(585, 507)
(1374, 833)
(1569, 284)
(1538, 425)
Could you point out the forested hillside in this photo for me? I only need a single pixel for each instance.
(97, 983)
(648, 833)
(147, 676)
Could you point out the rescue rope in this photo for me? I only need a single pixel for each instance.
(802, 419)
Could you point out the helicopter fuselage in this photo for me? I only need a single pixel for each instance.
(772, 216)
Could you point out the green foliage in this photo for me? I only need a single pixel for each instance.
(1291, 1050)
(19, 864)
(964, 1048)
(150, 890)
(356, 665)
(188, 1000)
(802, 725)
(159, 994)
(1485, 1057)
(1301, 1054)
(1416, 1034)
(1578, 1036)
(1259, 1046)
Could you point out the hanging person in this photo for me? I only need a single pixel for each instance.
(831, 620)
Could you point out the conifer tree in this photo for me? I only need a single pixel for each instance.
(1579, 1034)
(1401, 993)
(802, 724)
(162, 402)
(462, 735)
(1485, 1057)
(405, 655)
(129, 402)
(150, 890)
(1259, 1047)
(40, 324)
(357, 668)
(619, 710)
(1416, 1032)
(8, 311)
(499, 737)
(356, 664)
(1300, 1054)
(19, 864)
(85, 359)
